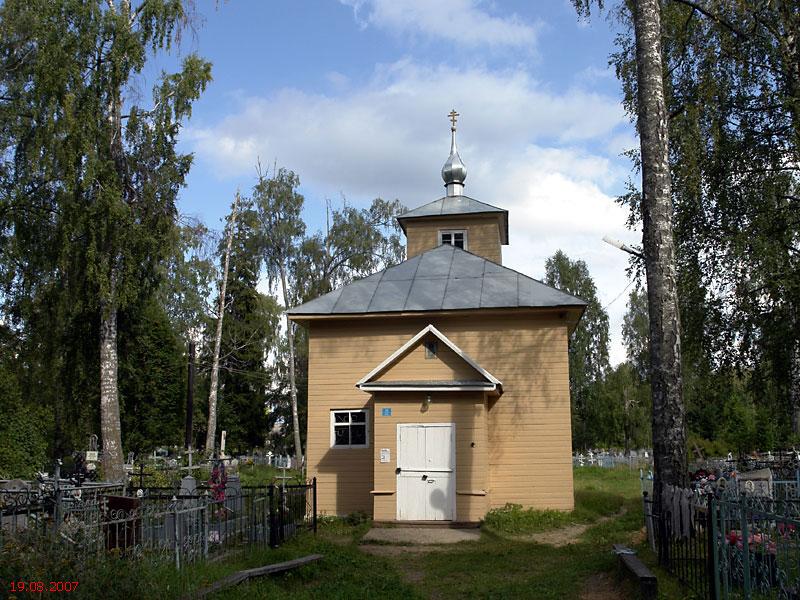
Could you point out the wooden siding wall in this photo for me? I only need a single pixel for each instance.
(414, 366)
(483, 235)
(468, 411)
(529, 432)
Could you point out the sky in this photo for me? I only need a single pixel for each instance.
(353, 96)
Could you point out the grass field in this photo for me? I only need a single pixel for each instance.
(510, 560)
(521, 554)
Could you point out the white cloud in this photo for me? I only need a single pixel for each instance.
(527, 149)
(556, 203)
(389, 132)
(460, 21)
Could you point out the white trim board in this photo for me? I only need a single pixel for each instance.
(368, 387)
(405, 347)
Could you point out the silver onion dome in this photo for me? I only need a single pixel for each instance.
(454, 171)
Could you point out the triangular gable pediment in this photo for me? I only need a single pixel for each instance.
(408, 368)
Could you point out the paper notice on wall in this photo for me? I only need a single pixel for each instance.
(386, 455)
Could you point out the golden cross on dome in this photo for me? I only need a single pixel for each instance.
(453, 118)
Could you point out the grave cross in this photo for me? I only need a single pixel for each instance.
(190, 452)
(141, 475)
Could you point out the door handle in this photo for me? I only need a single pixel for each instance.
(431, 480)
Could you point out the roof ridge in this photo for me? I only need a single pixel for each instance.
(372, 297)
(447, 281)
(483, 283)
(413, 277)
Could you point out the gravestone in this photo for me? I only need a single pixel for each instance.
(15, 485)
(233, 494)
(188, 486)
(756, 483)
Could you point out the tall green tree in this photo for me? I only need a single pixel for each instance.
(151, 381)
(279, 205)
(90, 177)
(222, 299)
(645, 79)
(635, 333)
(249, 339)
(733, 99)
(24, 427)
(355, 244)
(188, 279)
(588, 345)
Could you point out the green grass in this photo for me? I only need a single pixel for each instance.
(264, 475)
(598, 493)
(501, 565)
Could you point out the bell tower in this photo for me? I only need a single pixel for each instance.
(456, 219)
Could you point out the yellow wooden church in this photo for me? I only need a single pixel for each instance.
(439, 388)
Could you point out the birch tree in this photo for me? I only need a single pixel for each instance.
(669, 428)
(90, 177)
(211, 431)
(279, 207)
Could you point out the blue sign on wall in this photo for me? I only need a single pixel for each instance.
(386, 412)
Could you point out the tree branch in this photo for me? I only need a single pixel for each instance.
(714, 17)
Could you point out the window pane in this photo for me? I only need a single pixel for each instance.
(458, 240)
(430, 349)
(447, 238)
(341, 435)
(341, 417)
(358, 417)
(358, 435)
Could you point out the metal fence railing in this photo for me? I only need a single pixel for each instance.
(680, 533)
(179, 528)
(728, 544)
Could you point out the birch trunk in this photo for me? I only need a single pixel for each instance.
(794, 371)
(110, 427)
(211, 432)
(669, 430)
(298, 446)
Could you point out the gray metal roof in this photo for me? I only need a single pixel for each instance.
(445, 278)
(455, 205)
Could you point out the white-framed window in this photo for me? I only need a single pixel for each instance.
(350, 428)
(454, 237)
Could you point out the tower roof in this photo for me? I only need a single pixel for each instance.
(456, 205)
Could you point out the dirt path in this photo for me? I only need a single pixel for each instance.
(390, 551)
(564, 536)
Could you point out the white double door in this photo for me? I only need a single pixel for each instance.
(426, 477)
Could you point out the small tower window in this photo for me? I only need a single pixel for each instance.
(454, 237)
(430, 349)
